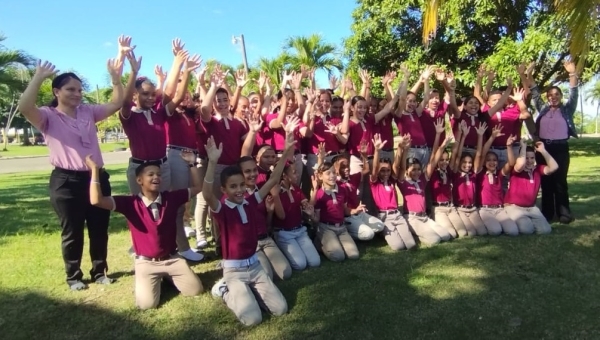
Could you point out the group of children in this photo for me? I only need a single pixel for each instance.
(272, 165)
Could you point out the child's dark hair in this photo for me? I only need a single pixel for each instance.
(554, 87)
(324, 167)
(337, 99)
(465, 155)
(491, 153)
(222, 90)
(356, 99)
(529, 149)
(494, 92)
(410, 161)
(232, 170)
(59, 81)
(143, 80)
(140, 169)
(245, 159)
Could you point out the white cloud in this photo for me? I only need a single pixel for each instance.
(107, 44)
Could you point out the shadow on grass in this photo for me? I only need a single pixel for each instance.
(588, 146)
(25, 204)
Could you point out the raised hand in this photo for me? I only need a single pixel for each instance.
(90, 162)
(308, 209)
(405, 142)
(464, 128)
(363, 147)
(377, 142)
(124, 45)
(241, 78)
(262, 79)
(333, 129)
(334, 82)
(348, 84)
(255, 123)
(497, 131)
(45, 69)
(481, 71)
(511, 140)
(365, 76)
(521, 68)
(322, 150)
(440, 75)
(530, 69)
(296, 80)
(135, 64)
(270, 203)
(316, 182)
(439, 125)
(213, 152)
(189, 156)
(569, 67)
(286, 77)
(449, 139)
(176, 46)
(158, 71)
(427, 72)
(540, 147)
(182, 56)
(290, 124)
(115, 69)
(518, 94)
(311, 95)
(193, 62)
(481, 128)
(404, 70)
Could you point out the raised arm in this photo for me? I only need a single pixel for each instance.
(510, 155)
(96, 197)
(377, 145)
(403, 148)
(491, 75)
(365, 90)
(463, 131)
(161, 78)
(28, 99)
(241, 79)
(571, 104)
(551, 165)
(216, 81)
(201, 89)
(520, 162)
(519, 97)
(478, 164)
(477, 86)
(254, 125)
(503, 99)
(135, 64)
(172, 101)
(173, 76)
(275, 177)
(437, 150)
(213, 157)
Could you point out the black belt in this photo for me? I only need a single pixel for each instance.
(155, 259)
(492, 206)
(76, 173)
(441, 204)
(180, 148)
(337, 225)
(263, 237)
(290, 229)
(156, 161)
(370, 157)
(469, 147)
(555, 141)
(419, 147)
(335, 153)
(465, 206)
(390, 212)
(418, 214)
(388, 150)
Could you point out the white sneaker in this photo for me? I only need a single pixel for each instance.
(191, 255)
(219, 289)
(189, 231)
(201, 244)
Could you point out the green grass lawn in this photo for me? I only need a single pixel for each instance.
(528, 287)
(42, 150)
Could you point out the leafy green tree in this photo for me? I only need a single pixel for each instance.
(593, 96)
(500, 34)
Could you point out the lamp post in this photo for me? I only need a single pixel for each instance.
(236, 40)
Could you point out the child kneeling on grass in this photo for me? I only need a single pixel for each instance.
(151, 217)
(245, 283)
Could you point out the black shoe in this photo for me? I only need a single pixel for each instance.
(565, 219)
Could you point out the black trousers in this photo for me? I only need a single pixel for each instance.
(555, 189)
(70, 198)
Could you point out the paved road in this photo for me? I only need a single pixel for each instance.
(42, 163)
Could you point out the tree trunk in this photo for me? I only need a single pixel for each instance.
(5, 135)
(26, 140)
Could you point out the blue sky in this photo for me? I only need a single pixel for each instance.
(83, 36)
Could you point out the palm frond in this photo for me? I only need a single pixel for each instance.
(430, 19)
(580, 16)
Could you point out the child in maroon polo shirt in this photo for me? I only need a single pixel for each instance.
(244, 283)
(151, 216)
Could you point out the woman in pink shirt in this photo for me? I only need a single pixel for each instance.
(524, 185)
(69, 128)
(489, 187)
(412, 183)
(464, 173)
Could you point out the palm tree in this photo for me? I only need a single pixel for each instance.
(580, 17)
(14, 69)
(313, 51)
(273, 67)
(593, 95)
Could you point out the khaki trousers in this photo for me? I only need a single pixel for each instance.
(472, 221)
(496, 221)
(149, 274)
(336, 243)
(448, 218)
(528, 220)
(249, 288)
(272, 259)
(397, 233)
(427, 230)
